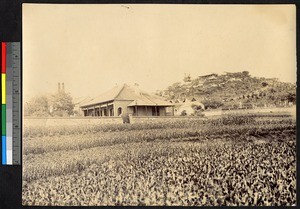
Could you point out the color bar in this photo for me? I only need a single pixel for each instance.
(9, 103)
(3, 150)
(3, 107)
(3, 60)
(3, 87)
(3, 119)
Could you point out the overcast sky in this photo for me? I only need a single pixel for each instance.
(92, 47)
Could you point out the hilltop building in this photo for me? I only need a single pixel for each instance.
(127, 99)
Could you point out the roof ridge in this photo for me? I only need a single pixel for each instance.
(126, 92)
(120, 90)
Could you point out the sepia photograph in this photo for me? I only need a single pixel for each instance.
(159, 105)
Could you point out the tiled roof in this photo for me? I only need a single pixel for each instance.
(82, 100)
(126, 92)
(107, 96)
(149, 100)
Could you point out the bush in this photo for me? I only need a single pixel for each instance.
(212, 104)
(183, 113)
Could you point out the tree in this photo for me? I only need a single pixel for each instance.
(213, 104)
(291, 97)
(183, 113)
(159, 93)
(187, 78)
(198, 110)
(245, 73)
(62, 104)
(264, 84)
(38, 106)
(173, 91)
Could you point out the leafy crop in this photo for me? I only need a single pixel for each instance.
(234, 160)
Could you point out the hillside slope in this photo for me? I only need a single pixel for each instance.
(232, 89)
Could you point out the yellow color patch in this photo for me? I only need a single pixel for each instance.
(3, 87)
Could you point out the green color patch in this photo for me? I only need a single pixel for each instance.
(3, 119)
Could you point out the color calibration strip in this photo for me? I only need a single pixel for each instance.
(3, 105)
(10, 112)
(9, 104)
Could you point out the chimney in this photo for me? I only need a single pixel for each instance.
(63, 87)
(136, 89)
(58, 86)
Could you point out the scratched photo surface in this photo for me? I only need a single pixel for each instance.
(166, 105)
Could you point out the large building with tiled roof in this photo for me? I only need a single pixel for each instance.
(127, 99)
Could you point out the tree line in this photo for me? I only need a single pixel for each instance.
(59, 104)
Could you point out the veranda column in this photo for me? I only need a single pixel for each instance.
(107, 111)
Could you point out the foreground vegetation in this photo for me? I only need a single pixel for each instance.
(235, 160)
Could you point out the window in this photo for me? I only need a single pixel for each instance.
(119, 111)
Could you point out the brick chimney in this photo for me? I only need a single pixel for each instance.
(58, 87)
(136, 89)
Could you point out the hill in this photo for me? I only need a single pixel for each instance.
(238, 89)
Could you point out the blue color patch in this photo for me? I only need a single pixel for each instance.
(3, 150)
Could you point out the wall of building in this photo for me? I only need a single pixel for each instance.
(167, 119)
(149, 111)
(162, 111)
(38, 122)
(123, 104)
(143, 112)
(105, 110)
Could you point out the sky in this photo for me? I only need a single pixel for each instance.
(91, 48)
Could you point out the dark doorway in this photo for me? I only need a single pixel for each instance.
(155, 111)
(119, 111)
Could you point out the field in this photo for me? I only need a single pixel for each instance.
(231, 160)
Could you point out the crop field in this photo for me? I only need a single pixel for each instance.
(235, 160)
